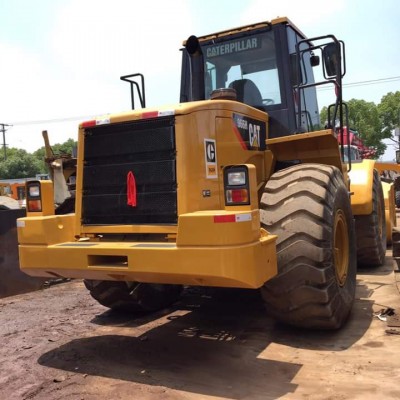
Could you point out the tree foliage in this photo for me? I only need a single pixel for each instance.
(366, 118)
(19, 164)
(59, 149)
(389, 112)
(65, 148)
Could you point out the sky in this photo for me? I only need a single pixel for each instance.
(61, 60)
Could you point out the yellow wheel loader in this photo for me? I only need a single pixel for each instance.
(236, 186)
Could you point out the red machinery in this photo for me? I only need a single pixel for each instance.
(355, 140)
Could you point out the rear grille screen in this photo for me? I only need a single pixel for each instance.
(147, 149)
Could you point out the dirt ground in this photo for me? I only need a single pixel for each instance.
(58, 343)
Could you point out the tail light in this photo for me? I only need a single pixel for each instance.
(236, 185)
(40, 197)
(33, 198)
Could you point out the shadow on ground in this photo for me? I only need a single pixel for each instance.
(208, 343)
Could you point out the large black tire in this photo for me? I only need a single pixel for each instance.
(397, 197)
(396, 183)
(133, 296)
(371, 230)
(307, 206)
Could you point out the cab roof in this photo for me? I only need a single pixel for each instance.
(233, 31)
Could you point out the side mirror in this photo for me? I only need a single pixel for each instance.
(331, 56)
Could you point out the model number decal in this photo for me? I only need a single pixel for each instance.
(252, 133)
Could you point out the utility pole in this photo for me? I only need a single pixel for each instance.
(3, 130)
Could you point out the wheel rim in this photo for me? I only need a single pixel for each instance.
(341, 247)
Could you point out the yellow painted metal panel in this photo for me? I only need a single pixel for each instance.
(313, 147)
(361, 181)
(234, 256)
(390, 209)
(246, 266)
(233, 228)
(387, 166)
(119, 229)
(46, 230)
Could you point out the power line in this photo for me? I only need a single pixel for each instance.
(374, 82)
(49, 121)
(366, 83)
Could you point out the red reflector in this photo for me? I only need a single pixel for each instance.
(237, 196)
(34, 205)
(150, 114)
(88, 124)
(224, 218)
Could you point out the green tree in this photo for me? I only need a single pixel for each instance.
(389, 112)
(65, 148)
(19, 164)
(323, 116)
(59, 149)
(365, 119)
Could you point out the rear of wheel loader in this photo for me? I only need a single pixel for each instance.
(238, 185)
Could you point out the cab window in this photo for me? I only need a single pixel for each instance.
(246, 64)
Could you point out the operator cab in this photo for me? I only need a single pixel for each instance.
(261, 63)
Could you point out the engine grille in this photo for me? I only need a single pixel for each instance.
(147, 149)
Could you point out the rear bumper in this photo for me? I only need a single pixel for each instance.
(226, 252)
